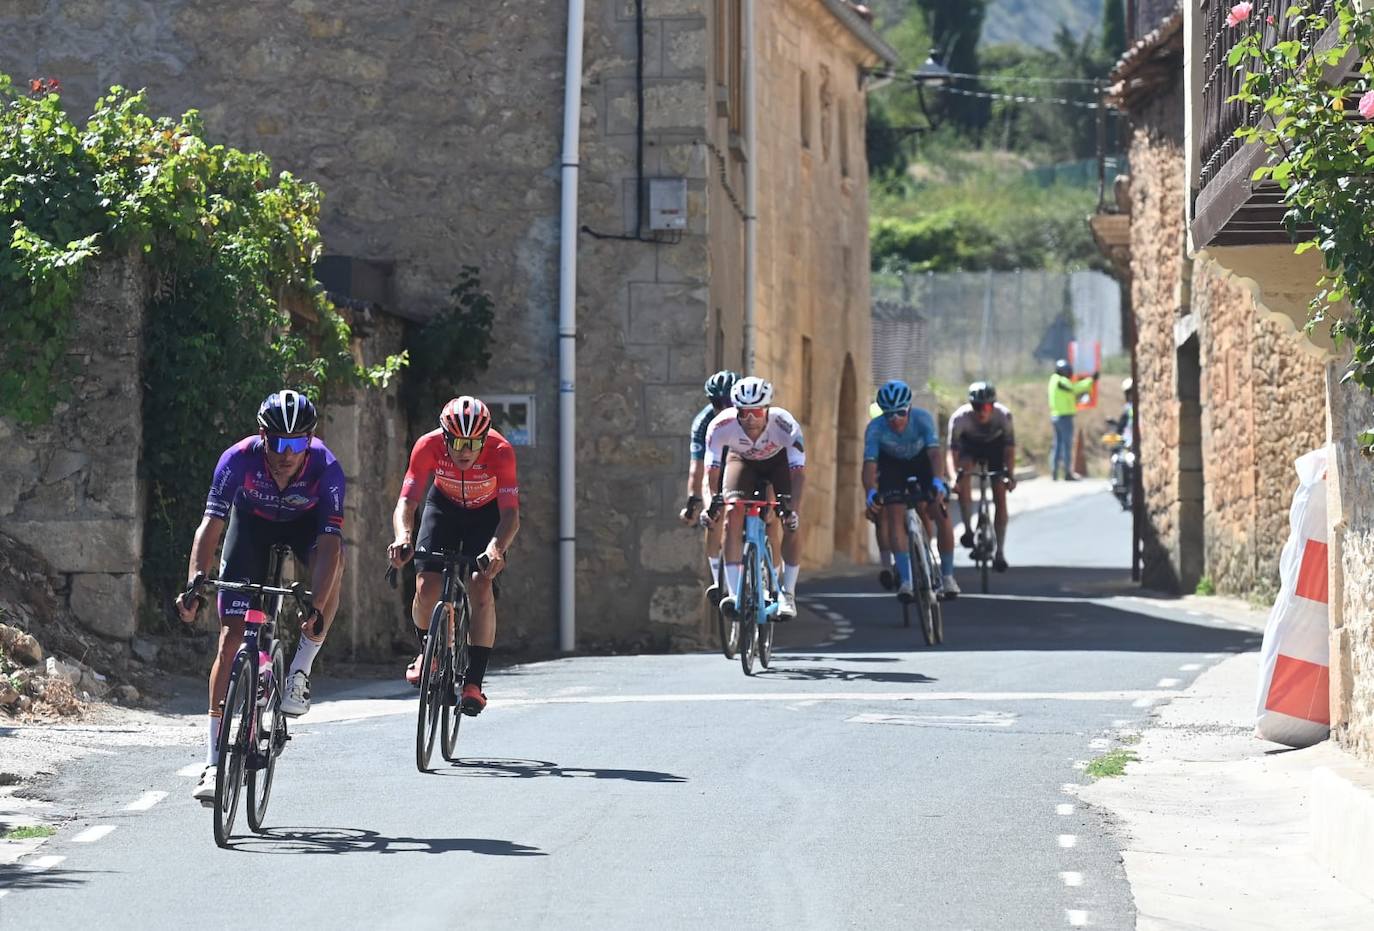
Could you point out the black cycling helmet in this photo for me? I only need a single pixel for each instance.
(1062, 367)
(718, 386)
(982, 392)
(287, 412)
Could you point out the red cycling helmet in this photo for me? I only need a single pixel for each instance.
(465, 416)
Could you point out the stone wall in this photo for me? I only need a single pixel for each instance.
(1264, 406)
(1350, 504)
(70, 488)
(1158, 298)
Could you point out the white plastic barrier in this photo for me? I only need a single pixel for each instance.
(1294, 699)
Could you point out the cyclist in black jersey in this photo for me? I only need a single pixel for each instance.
(718, 396)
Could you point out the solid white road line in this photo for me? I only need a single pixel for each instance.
(145, 801)
(979, 719)
(1077, 917)
(93, 834)
(44, 863)
(1068, 840)
(1063, 809)
(1071, 878)
(1148, 695)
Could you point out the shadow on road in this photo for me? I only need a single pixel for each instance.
(1029, 609)
(302, 840)
(835, 674)
(533, 769)
(18, 877)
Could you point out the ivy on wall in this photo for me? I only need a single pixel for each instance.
(231, 251)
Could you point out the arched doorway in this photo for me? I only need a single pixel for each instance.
(848, 461)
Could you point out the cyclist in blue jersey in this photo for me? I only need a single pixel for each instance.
(899, 444)
(718, 399)
(281, 485)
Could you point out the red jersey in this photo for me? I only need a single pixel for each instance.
(492, 476)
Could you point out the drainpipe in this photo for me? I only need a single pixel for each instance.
(567, 335)
(751, 183)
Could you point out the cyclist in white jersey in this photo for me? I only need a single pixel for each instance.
(749, 447)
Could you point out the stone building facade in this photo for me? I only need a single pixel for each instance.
(434, 131)
(1227, 398)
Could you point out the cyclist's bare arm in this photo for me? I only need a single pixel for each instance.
(202, 560)
(694, 473)
(1009, 463)
(402, 528)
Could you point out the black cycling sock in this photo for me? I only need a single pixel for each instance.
(477, 665)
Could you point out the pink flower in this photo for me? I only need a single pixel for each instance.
(1239, 14)
(1367, 105)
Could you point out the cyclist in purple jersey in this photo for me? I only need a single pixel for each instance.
(282, 486)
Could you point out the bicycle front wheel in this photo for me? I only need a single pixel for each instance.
(747, 608)
(235, 732)
(431, 699)
(268, 740)
(456, 662)
(925, 586)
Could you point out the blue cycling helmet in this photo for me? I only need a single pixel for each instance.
(894, 396)
(718, 385)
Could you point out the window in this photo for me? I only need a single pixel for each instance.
(735, 51)
(844, 140)
(806, 381)
(805, 105)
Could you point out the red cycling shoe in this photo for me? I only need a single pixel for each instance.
(473, 700)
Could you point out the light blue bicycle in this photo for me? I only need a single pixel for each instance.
(757, 602)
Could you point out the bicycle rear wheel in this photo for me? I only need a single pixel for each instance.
(746, 609)
(234, 732)
(925, 586)
(269, 738)
(431, 703)
(457, 664)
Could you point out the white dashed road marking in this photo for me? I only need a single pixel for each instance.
(44, 863)
(1068, 840)
(93, 834)
(1071, 878)
(1168, 683)
(1077, 917)
(145, 801)
(1063, 809)
(981, 719)
(1190, 667)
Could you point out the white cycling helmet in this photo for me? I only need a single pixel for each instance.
(751, 392)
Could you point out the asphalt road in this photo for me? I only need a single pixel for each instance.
(866, 781)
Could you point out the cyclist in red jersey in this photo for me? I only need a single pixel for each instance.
(473, 507)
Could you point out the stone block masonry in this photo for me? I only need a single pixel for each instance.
(70, 488)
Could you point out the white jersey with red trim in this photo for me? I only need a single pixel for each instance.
(782, 432)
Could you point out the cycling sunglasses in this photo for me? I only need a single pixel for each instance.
(288, 444)
(752, 412)
(982, 405)
(460, 443)
(897, 415)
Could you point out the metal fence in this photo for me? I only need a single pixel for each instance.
(956, 327)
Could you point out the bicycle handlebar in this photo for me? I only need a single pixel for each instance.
(480, 563)
(297, 590)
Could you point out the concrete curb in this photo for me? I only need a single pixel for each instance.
(1342, 804)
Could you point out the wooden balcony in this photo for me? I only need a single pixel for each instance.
(1228, 208)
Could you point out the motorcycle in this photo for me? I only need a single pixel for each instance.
(1122, 469)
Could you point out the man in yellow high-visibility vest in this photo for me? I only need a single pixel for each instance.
(1064, 392)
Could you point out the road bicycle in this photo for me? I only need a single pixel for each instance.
(445, 657)
(984, 534)
(252, 730)
(757, 601)
(925, 571)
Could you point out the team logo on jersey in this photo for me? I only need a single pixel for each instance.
(295, 501)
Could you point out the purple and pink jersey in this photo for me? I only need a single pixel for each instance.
(243, 481)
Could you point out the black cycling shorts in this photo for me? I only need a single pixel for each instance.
(248, 547)
(993, 454)
(747, 478)
(453, 529)
(893, 473)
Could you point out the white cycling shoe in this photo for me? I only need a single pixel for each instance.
(787, 606)
(950, 587)
(204, 792)
(296, 701)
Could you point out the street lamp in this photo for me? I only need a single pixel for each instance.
(934, 74)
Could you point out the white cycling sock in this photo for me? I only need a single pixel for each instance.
(212, 757)
(789, 578)
(306, 651)
(732, 573)
(715, 567)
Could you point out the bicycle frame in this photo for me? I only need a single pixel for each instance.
(761, 567)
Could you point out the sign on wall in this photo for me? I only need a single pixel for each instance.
(513, 416)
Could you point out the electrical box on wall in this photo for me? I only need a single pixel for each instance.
(667, 203)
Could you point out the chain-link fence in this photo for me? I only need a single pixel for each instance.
(956, 327)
